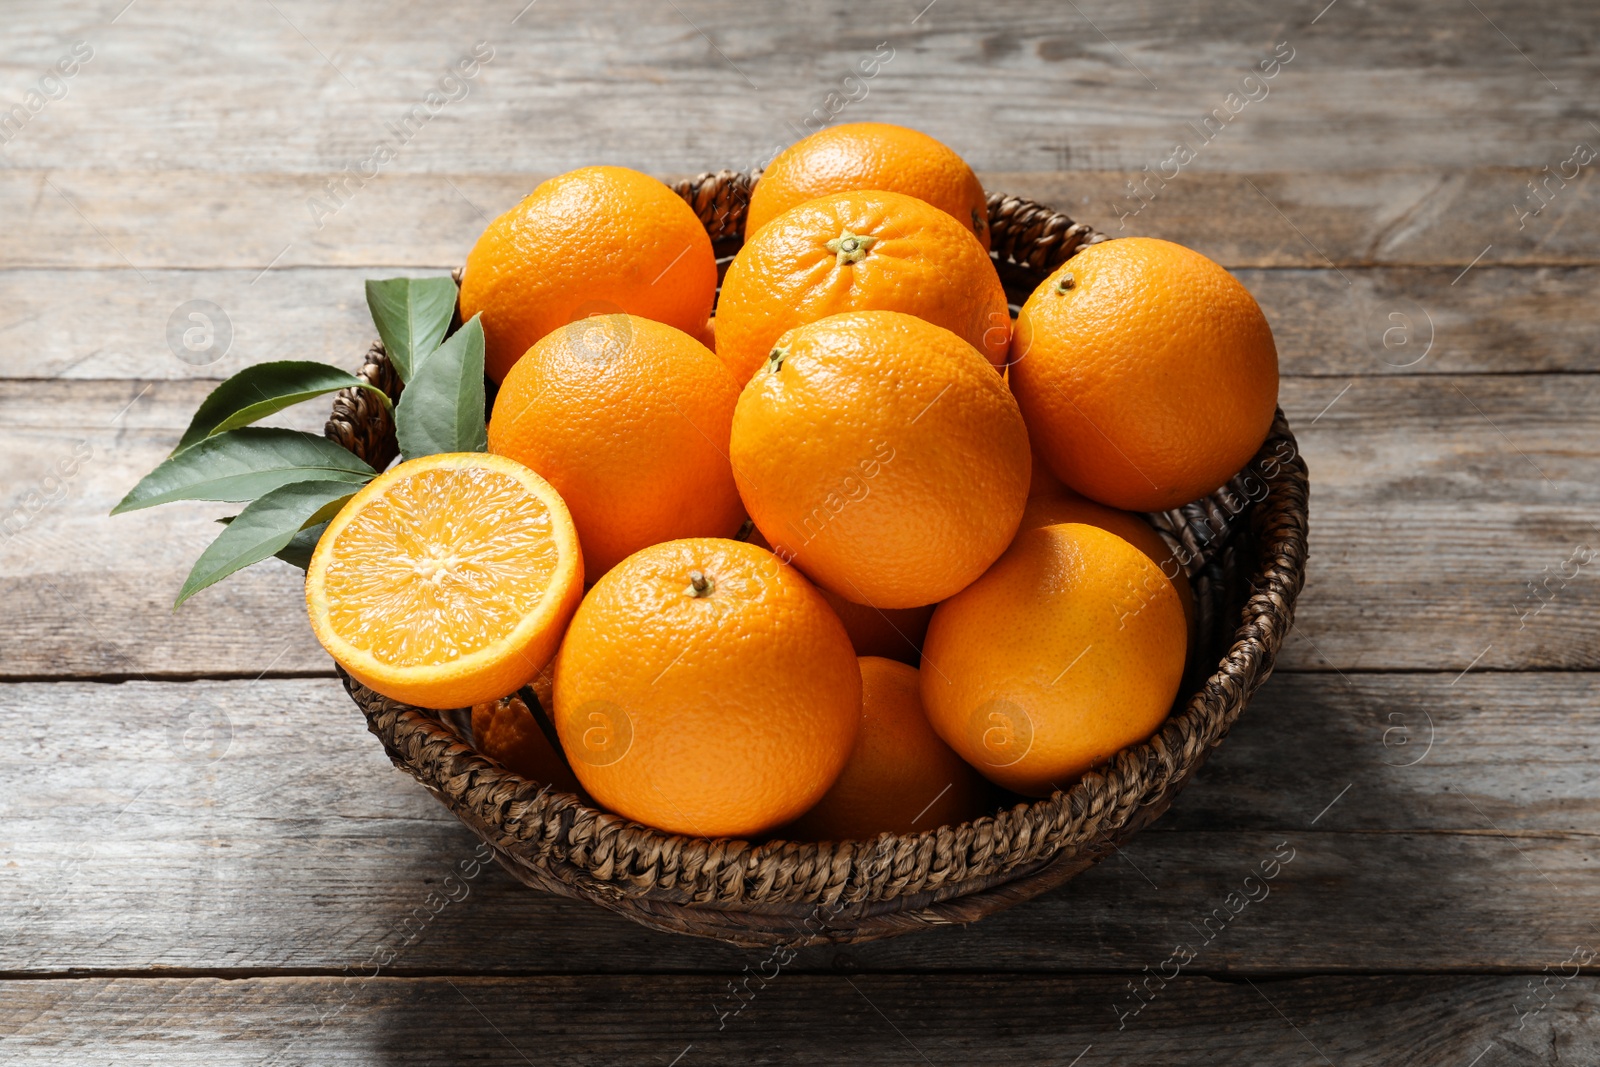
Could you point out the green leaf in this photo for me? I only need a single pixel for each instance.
(412, 315)
(244, 464)
(256, 392)
(263, 528)
(442, 410)
(297, 553)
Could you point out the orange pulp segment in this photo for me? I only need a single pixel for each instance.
(447, 581)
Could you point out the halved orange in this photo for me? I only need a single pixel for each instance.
(447, 581)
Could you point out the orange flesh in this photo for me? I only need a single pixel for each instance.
(416, 584)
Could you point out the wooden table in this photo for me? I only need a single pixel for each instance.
(206, 858)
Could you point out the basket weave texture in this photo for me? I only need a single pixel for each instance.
(1244, 548)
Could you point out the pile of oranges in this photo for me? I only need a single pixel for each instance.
(841, 559)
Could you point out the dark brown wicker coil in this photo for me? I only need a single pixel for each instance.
(1244, 547)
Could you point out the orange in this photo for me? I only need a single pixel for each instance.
(893, 633)
(446, 581)
(1042, 482)
(1146, 372)
(708, 335)
(505, 731)
(704, 688)
(591, 241)
(900, 778)
(1070, 648)
(1063, 505)
(544, 684)
(883, 455)
(629, 420)
(870, 155)
(856, 252)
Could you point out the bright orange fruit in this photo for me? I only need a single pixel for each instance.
(1068, 649)
(705, 688)
(505, 731)
(629, 420)
(883, 455)
(892, 633)
(1147, 373)
(1063, 505)
(597, 240)
(1042, 482)
(870, 155)
(855, 252)
(900, 778)
(446, 581)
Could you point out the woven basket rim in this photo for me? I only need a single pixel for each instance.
(759, 893)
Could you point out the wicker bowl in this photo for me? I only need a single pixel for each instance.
(1244, 548)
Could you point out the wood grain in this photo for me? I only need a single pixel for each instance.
(1336, 217)
(202, 871)
(1415, 321)
(1438, 497)
(1438, 545)
(111, 324)
(1012, 85)
(83, 218)
(798, 1019)
(252, 827)
(73, 572)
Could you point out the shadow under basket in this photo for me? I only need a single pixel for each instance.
(1244, 548)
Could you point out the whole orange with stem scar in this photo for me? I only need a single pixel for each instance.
(883, 455)
(705, 688)
(859, 251)
(1147, 373)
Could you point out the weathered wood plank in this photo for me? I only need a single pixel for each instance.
(292, 844)
(1415, 321)
(1451, 523)
(93, 594)
(112, 324)
(1390, 217)
(799, 1019)
(1416, 752)
(238, 828)
(1437, 497)
(309, 89)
